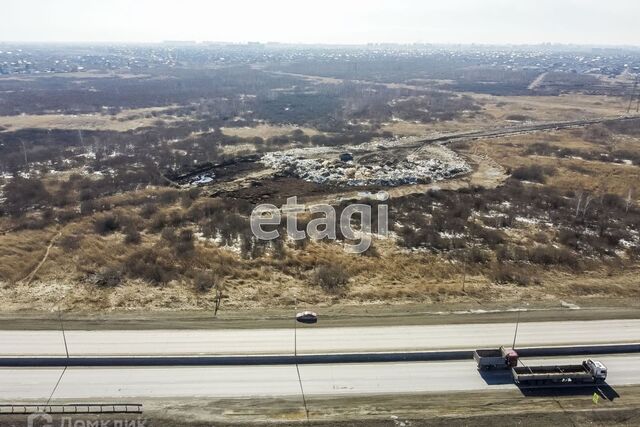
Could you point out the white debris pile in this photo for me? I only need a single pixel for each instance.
(362, 166)
(203, 179)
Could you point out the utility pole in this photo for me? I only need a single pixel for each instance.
(465, 260)
(633, 95)
(464, 271)
(515, 335)
(295, 327)
(217, 301)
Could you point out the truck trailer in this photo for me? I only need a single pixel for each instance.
(589, 372)
(501, 358)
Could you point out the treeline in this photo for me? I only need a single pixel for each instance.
(160, 87)
(163, 147)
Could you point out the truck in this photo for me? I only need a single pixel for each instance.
(501, 358)
(589, 372)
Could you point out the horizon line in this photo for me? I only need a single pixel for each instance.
(187, 43)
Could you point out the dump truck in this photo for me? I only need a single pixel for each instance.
(589, 372)
(501, 358)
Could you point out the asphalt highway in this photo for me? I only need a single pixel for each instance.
(314, 340)
(277, 381)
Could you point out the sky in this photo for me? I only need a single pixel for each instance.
(610, 22)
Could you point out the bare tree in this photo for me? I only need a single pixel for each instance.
(586, 205)
(24, 151)
(579, 203)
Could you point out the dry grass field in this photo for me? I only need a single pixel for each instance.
(267, 131)
(157, 248)
(122, 121)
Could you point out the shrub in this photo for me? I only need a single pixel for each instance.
(506, 273)
(517, 117)
(613, 201)
(251, 247)
(504, 253)
(204, 210)
(70, 242)
(109, 277)
(168, 234)
(66, 215)
(476, 255)
(371, 252)
(580, 169)
(87, 194)
(160, 220)
(87, 207)
(488, 235)
(181, 243)
(597, 133)
(23, 194)
(541, 237)
(148, 265)
(548, 255)
(613, 238)
(540, 149)
(204, 281)
(132, 235)
(188, 197)
(106, 224)
(533, 173)
(31, 223)
(332, 278)
(425, 237)
(568, 238)
(184, 245)
(169, 197)
(148, 210)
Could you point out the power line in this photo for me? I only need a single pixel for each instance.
(64, 335)
(295, 355)
(66, 350)
(304, 399)
(56, 386)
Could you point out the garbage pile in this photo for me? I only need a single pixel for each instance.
(328, 166)
(203, 179)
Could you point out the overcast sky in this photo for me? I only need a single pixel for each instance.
(327, 21)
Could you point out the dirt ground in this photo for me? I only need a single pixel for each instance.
(567, 407)
(573, 407)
